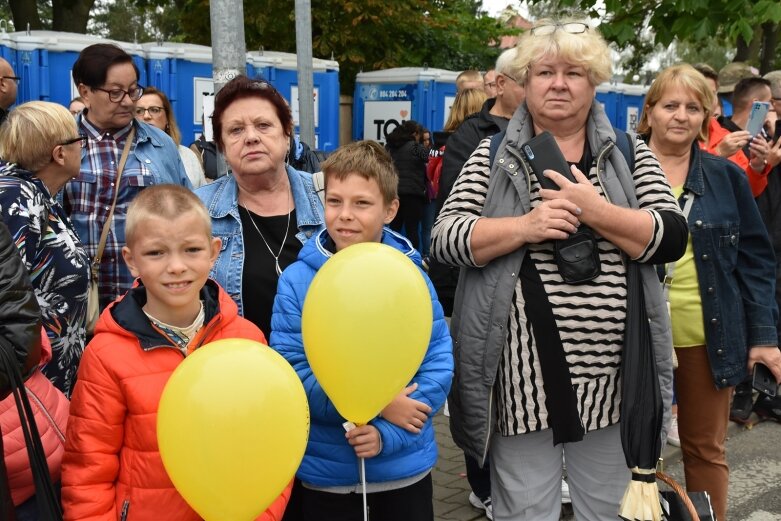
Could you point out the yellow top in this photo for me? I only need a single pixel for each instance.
(685, 304)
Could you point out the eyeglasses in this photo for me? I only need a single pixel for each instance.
(82, 139)
(569, 27)
(508, 76)
(153, 111)
(117, 95)
(17, 79)
(490, 84)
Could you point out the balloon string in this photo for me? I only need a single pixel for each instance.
(363, 484)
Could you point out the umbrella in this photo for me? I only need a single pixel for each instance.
(641, 407)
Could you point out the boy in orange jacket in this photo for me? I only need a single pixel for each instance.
(112, 467)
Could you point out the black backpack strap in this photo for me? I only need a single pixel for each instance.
(625, 143)
(496, 140)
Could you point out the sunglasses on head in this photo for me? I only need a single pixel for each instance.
(568, 27)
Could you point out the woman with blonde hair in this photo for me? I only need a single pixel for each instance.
(539, 334)
(40, 142)
(467, 102)
(155, 109)
(722, 319)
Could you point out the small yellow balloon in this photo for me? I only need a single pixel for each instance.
(232, 427)
(366, 326)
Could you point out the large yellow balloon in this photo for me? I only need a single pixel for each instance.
(366, 326)
(232, 427)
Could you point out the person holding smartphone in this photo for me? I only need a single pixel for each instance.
(722, 321)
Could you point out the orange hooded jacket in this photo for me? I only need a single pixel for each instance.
(112, 468)
(756, 180)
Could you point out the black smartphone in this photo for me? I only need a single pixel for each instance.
(543, 153)
(763, 380)
(777, 134)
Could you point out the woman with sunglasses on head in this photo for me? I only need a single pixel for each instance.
(43, 149)
(97, 200)
(155, 109)
(266, 210)
(537, 330)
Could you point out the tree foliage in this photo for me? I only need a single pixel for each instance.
(368, 34)
(751, 25)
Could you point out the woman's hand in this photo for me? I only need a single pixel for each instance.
(406, 412)
(551, 220)
(767, 355)
(365, 441)
(774, 156)
(759, 150)
(732, 143)
(581, 193)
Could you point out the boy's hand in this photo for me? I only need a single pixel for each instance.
(406, 412)
(365, 441)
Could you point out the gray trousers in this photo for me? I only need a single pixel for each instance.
(526, 473)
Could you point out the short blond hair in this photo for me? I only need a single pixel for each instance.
(367, 159)
(467, 76)
(467, 102)
(31, 132)
(167, 202)
(687, 77)
(587, 49)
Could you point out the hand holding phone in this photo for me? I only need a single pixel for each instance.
(543, 153)
(756, 118)
(763, 380)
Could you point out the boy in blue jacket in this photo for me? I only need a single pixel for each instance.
(399, 446)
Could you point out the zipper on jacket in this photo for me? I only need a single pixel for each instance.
(600, 157)
(45, 413)
(125, 509)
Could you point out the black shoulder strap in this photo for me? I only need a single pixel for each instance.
(625, 143)
(496, 140)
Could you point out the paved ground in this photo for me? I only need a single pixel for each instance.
(755, 482)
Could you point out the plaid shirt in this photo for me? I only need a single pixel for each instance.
(88, 199)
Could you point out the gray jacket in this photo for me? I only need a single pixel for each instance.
(484, 295)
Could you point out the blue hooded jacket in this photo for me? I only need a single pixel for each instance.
(329, 459)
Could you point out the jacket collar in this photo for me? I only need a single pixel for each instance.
(308, 211)
(321, 248)
(695, 180)
(128, 314)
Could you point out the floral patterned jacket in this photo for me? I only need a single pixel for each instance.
(57, 263)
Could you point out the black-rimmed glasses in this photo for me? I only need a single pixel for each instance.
(17, 79)
(569, 27)
(117, 95)
(153, 110)
(508, 76)
(81, 139)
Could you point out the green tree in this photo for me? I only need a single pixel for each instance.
(134, 20)
(368, 34)
(752, 26)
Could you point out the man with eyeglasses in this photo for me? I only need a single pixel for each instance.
(107, 80)
(8, 88)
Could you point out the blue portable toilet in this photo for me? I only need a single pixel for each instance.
(281, 70)
(385, 98)
(631, 106)
(44, 60)
(183, 72)
(623, 103)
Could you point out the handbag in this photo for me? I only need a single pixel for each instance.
(93, 297)
(577, 257)
(678, 505)
(46, 499)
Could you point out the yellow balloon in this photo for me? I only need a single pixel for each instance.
(232, 427)
(366, 326)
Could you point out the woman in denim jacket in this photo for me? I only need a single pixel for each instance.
(265, 210)
(721, 292)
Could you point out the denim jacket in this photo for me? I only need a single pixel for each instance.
(735, 265)
(221, 199)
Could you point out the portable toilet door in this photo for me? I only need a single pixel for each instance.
(31, 64)
(386, 98)
(607, 96)
(630, 106)
(183, 72)
(283, 75)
